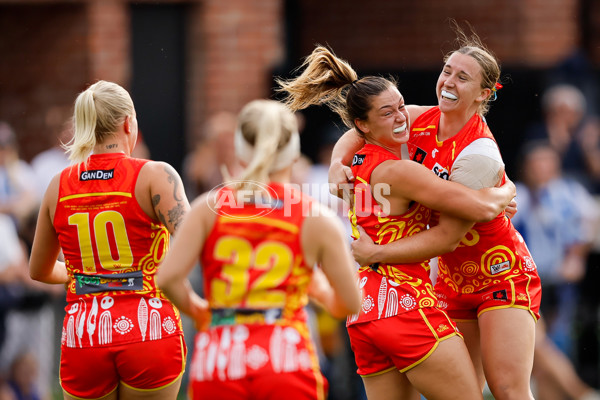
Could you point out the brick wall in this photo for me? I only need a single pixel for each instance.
(234, 47)
(44, 61)
(109, 41)
(52, 49)
(415, 34)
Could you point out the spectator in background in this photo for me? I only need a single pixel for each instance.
(13, 274)
(51, 161)
(26, 323)
(572, 131)
(557, 218)
(18, 197)
(213, 157)
(23, 374)
(555, 374)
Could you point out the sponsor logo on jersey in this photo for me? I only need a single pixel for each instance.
(97, 175)
(415, 134)
(358, 159)
(497, 268)
(420, 155)
(85, 284)
(441, 171)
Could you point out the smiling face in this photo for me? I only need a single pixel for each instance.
(459, 85)
(387, 121)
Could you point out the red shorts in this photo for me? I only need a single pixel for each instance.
(255, 361)
(93, 372)
(400, 342)
(524, 291)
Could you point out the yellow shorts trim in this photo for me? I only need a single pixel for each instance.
(86, 398)
(379, 373)
(508, 306)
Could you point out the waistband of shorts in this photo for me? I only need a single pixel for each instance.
(235, 316)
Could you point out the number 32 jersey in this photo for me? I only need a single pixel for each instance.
(253, 258)
(112, 250)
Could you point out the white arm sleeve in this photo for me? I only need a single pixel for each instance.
(479, 165)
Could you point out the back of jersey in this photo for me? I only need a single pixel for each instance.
(253, 259)
(109, 243)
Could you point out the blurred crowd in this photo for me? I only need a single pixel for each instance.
(558, 193)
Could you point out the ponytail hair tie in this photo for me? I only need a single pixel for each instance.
(354, 82)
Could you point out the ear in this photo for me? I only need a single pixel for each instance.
(127, 124)
(485, 93)
(362, 125)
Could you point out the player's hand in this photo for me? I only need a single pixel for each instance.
(202, 315)
(511, 209)
(363, 248)
(341, 181)
(319, 288)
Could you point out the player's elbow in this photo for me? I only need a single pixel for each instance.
(36, 276)
(39, 274)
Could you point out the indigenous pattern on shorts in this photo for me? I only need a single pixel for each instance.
(235, 352)
(491, 252)
(112, 251)
(388, 289)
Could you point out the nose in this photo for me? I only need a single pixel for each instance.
(449, 81)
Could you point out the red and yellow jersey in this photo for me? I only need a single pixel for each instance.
(112, 250)
(253, 259)
(388, 289)
(490, 252)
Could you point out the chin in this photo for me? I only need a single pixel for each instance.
(445, 105)
(403, 139)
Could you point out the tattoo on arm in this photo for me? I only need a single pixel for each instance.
(176, 215)
(155, 201)
(172, 179)
(161, 218)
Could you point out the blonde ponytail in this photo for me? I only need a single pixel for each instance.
(84, 127)
(265, 126)
(98, 112)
